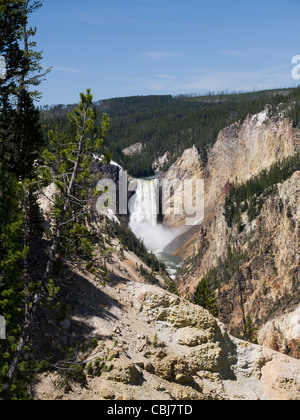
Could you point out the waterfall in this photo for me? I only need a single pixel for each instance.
(144, 208)
(144, 205)
(143, 212)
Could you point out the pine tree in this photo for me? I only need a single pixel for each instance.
(67, 165)
(251, 330)
(61, 157)
(20, 129)
(12, 252)
(206, 298)
(20, 141)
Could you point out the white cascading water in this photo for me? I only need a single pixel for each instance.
(143, 208)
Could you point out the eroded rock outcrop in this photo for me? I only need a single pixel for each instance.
(187, 168)
(134, 150)
(168, 348)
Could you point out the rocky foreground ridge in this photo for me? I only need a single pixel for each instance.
(164, 347)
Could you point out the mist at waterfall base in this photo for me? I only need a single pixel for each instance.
(154, 237)
(143, 223)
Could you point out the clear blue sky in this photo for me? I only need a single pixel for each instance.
(141, 47)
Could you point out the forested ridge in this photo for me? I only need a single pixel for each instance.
(173, 123)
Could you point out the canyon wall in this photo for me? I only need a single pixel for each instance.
(264, 257)
(241, 151)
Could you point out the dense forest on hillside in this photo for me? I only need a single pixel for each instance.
(172, 123)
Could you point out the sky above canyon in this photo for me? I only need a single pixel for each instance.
(143, 47)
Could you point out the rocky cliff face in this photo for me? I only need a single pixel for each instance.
(241, 151)
(244, 150)
(135, 149)
(163, 347)
(268, 255)
(188, 167)
(260, 265)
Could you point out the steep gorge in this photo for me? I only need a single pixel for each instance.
(164, 347)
